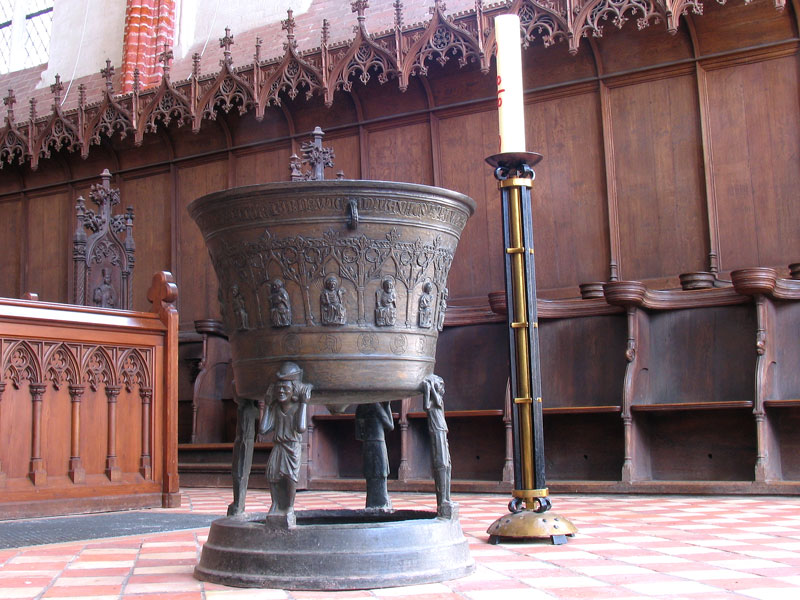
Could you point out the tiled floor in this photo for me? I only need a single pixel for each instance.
(703, 548)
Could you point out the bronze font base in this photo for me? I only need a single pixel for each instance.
(335, 550)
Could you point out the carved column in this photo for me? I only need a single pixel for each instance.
(113, 471)
(768, 455)
(76, 471)
(37, 474)
(2, 474)
(146, 464)
(627, 396)
(404, 470)
(79, 255)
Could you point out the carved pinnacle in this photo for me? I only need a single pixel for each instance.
(288, 27)
(81, 95)
(398, 14)
(33, 109)
(359, 6)
(437, 5)
(10, 101)
(108, 73)
(164, 58)
(258, 50)
(226, 42)
(57, 88)
(325, 33)
(136, 80)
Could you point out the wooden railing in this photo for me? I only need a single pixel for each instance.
(88, 406)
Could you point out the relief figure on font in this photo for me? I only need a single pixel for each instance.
(280, 305)
(332, 308)
(386, 304)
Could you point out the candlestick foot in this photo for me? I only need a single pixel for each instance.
(528, 525)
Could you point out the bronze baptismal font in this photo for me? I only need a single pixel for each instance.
(333, 293)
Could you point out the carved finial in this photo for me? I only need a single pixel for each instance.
(326, 29)
(164, 59)
(57, 88)
(81, 95)
(226, 42)
(136, 80)
(33, 108)
(398, 14)
(288, 27)
(359, 6)
(107, 74)
(196, 65)
(258, 50)
(317, 156)
(105, 176)
(10, 101)
(437, 5)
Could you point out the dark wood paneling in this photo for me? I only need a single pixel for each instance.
(261, 166)
(151, 199)
(751, 24)
(701, 446)
(346, 147)
(660, 182)
(583, 361)
(386, 100)
(702, 355)
(755, 144)
(12, 234)
(196, 279)
(569, 205)
(49, 246)
(625, 49)
(402, 153)
(555, 65)
(478, 265)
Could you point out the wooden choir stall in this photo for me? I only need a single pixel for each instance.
(88, 406)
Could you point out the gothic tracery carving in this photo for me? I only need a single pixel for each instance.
(402, 53)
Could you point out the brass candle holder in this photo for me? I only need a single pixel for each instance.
(529, 516)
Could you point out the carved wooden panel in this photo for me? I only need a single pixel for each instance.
(88, 407)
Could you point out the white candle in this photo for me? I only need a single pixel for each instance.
(510, 107)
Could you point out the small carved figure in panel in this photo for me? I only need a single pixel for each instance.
(372, 422)
(386, 304)
(332, 309)
(425, 318)
(442, 309)
(285, 413)
(239, 309)
(104, 294)
(433, 403)
(281, 307)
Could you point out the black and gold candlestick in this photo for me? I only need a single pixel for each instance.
(529, 516)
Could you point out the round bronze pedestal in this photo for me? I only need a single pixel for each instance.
(335, 550)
